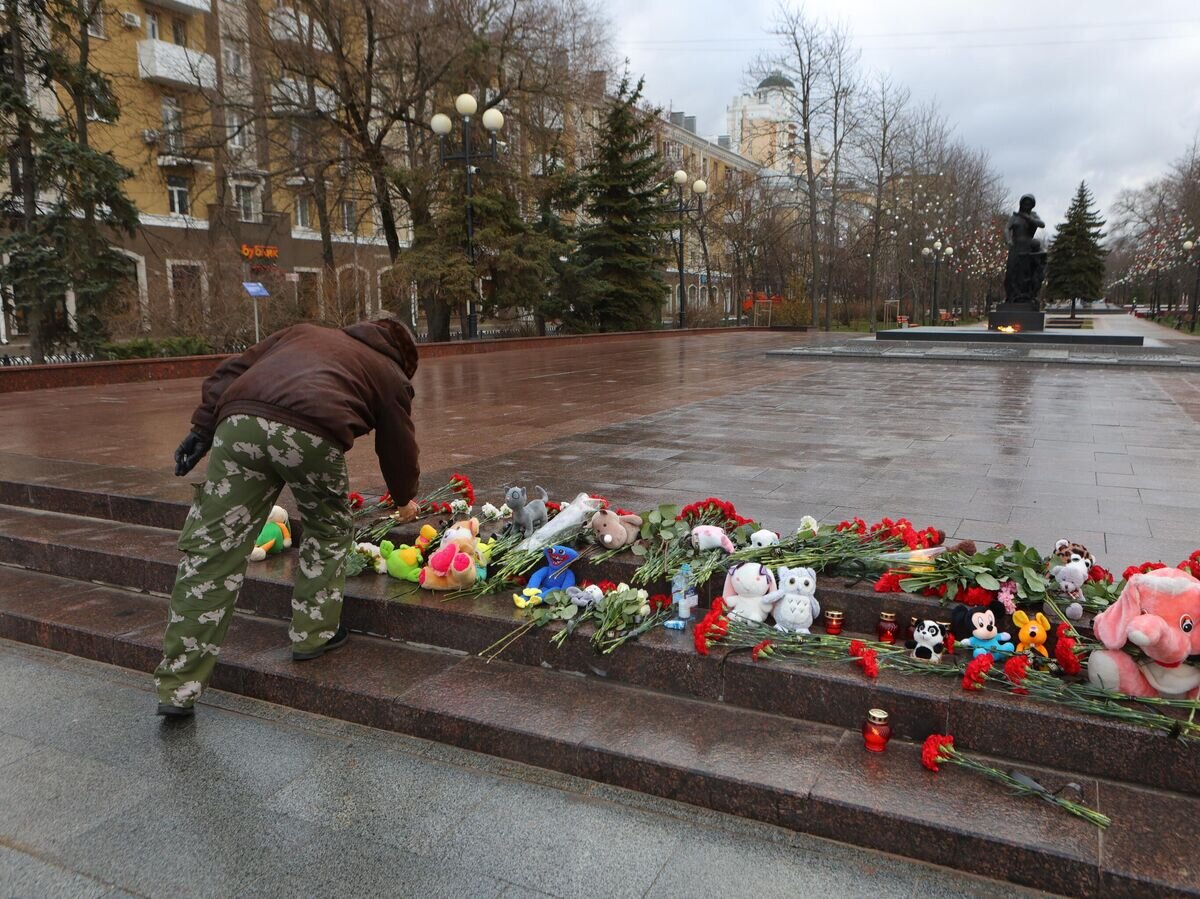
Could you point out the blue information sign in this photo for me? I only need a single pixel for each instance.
(255, 289)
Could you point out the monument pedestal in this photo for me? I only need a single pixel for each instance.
(1020, 316)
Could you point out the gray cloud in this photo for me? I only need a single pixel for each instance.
(1105, 91)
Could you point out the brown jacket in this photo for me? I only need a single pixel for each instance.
(337, 384)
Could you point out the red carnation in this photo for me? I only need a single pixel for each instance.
(608, 586)
(1064, 654)
(700, 636)
(977, 668)
(1141, 569)
(719, 606)
(357, 501)
(763, 648)
(936, 748)
(1100, 575)
(950, 643)
(888, 583)
(386, 500)
(1016, 669)
(938, 591)
(869, 661)
(857, 648)
(660, 602)
(975, 596)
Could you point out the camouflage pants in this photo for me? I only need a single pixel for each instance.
(252, 459)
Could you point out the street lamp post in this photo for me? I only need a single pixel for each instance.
(699, 188)
(493, 120)
(1194, 299)
(935, 255)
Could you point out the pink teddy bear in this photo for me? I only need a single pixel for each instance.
(1158, 612)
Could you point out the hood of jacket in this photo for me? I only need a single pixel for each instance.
(391, 338)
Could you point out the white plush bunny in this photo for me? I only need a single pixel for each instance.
(1072, 576)
(798, 608)
(750, 591)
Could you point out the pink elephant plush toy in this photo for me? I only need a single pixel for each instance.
(1159, 613)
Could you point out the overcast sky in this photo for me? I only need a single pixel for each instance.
(1057, 91)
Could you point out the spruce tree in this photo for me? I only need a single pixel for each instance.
(619, 245)
(1076, 264)
(66, 197)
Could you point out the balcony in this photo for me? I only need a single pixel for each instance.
(292, 26)
(186, 7)
(174, 66)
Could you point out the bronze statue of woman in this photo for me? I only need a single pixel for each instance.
(1026, 258)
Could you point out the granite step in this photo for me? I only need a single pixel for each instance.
(158, 500)
(144, 559)
(810, 777)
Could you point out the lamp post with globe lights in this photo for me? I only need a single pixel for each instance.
(935, 255)
(699, 188)
(441, 124)
(1194, 299)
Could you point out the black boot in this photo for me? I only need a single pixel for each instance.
(175, 711)
(335, 641)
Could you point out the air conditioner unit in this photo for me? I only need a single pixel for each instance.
(150, 136)
(131, 20)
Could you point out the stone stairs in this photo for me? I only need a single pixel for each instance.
(85, 561)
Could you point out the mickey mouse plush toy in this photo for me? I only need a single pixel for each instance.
(979, 628)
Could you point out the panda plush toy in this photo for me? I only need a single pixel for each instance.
(928, 642)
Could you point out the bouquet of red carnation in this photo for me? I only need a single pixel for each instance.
(939, 749)
(459, 487)
(713, 511)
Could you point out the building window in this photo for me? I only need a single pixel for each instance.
(235, 59)
(302, 211)
(349, 218)
(152, 31)
(186, 285)
(172, 125)
(179, 31)
(95, 25)
(177, 195)
(93, 114)
(235, 123)
(245, 197)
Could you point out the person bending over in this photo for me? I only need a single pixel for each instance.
(284, 412)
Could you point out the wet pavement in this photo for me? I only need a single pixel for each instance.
(1029, 450)
(105, 800)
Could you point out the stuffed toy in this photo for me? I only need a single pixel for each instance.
(528, 516)
(979, 628)
(764, 538)
(1159, 613)
(614, 531)
(1070, 579)
(750, 591)
(928, 641)
(585, 597)
(455, 565)
(1033, 632)
(275, 536)
(797, 608)
(707, 536)
(1065, 549)
(557, 573)
(404, 562)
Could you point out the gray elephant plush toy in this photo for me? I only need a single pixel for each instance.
(528, 516)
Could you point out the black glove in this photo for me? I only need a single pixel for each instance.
(190, 452)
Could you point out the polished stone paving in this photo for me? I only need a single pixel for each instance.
(103, 799)
(1029, 451)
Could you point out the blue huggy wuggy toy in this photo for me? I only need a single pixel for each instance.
(557, 575)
